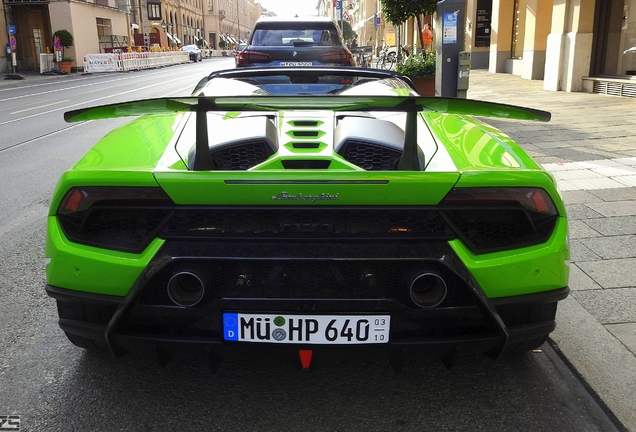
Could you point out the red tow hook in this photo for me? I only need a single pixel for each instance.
(305, 359)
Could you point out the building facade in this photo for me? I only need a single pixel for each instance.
(100, 26)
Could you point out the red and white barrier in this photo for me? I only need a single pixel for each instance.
(117, 62)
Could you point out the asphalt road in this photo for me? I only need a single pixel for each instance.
(53, 385)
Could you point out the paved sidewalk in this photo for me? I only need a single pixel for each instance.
(590, 147)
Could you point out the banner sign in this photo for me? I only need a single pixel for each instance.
(100, 63)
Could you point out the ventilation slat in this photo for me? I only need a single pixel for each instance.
(614, 88)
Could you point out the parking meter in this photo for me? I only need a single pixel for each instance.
(450, 24)
(463, 74)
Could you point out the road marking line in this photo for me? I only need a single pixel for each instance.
(39, 106)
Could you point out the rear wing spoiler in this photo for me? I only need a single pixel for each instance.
(411, 105)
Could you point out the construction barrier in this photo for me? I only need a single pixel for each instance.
(119, 62)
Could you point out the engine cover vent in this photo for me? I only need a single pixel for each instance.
(370, 156)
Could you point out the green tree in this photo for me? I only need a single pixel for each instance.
(398, 11)
(66, 38)
(347, 32)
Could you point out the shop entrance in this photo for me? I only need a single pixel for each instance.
(614, 53)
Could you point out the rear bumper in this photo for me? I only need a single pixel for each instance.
(460, 330)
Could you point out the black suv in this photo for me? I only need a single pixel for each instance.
(315, 41)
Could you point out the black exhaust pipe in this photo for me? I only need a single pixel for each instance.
(426, 287)
(188, 285)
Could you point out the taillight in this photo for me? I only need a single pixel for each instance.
(246, 57)
(341, 57)
(495, 219)
(78, 199)
(533, 199)
(118, 218)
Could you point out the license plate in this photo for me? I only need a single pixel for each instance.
(295, 64)
(314, 329)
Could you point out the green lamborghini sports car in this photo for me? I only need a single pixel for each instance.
(295, 211)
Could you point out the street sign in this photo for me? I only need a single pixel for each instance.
(57, 44)
(450, 28)
(11, 29)
(13, 42)
(338, 4)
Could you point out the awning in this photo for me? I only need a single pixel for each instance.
(134, 26)
(225, 39)
(176, 39)
(170, 37)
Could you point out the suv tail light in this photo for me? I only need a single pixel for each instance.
(340, 57)
(494, 219)
(247, 57)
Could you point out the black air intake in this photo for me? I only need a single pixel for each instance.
(241, 156)
(370, 156)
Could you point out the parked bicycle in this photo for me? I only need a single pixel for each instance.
(383, 61)
(363, 59)
(389, 55)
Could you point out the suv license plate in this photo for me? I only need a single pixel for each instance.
(314, 329)
(295, 64)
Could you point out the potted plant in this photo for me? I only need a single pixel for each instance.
(66, 63)
(222, 45)
(66, 39)
(421, 69)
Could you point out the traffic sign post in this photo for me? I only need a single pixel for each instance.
(57, 45)
(13, 43)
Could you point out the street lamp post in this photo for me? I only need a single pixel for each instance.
(167, 28)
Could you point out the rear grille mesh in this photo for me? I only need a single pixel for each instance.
(241, 157)
(371, 157)
(302, 222)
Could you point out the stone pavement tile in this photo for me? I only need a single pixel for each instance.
(581, 211)
(615, 208)
(578, 229)
(589, 184)
(601, 163)
(546, 145)
(579, 153)
(627, 161)
(576, 174)
(615, 273)
(618, 225)
(626, 333)
(579, 197)
(610, 306)
(531, 148)
(612, 247)
(579, 281)
(548, 159)
(581, 253)
(627, 180)
(622, 194)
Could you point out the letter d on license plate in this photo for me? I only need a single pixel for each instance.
(314, 329)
